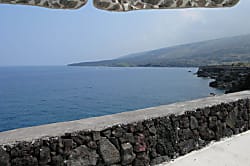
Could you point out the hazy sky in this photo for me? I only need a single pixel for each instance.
(40, 36)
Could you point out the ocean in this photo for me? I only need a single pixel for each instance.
(31, 96)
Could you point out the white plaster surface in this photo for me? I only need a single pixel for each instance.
(234, 151)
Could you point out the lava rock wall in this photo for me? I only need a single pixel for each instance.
(143, 143)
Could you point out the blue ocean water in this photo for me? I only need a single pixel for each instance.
(39, 95)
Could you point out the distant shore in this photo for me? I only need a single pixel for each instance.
(231, 78)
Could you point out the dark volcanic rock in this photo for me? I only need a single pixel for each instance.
(83, 156)
(193, 123)
(140, 144)
(127, 137)
(161, 148)
(118, 132)
(109, 152)
(44, 157)
(206, 134)
(25, 161)
(159, 160)
(4, 158)
(227, 77)
(106, 133)
(141, 159)
(96, 135)
(68, 144)
(127, 153)
(187, 146)
(57, 161)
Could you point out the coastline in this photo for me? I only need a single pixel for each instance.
(230, 78)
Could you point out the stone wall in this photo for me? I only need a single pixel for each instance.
(139, 138)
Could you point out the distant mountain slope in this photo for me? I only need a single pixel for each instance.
(218, 51)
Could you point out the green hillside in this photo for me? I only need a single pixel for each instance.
(211, 52)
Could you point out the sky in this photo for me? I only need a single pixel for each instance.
(39, 36)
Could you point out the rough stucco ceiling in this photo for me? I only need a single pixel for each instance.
(126, 5)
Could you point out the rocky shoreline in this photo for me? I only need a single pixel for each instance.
(227, 77)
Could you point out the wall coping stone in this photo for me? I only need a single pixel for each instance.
(100, 123)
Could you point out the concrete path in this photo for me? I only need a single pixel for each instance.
(233, 151)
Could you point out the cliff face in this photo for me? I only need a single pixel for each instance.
(227, 77)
